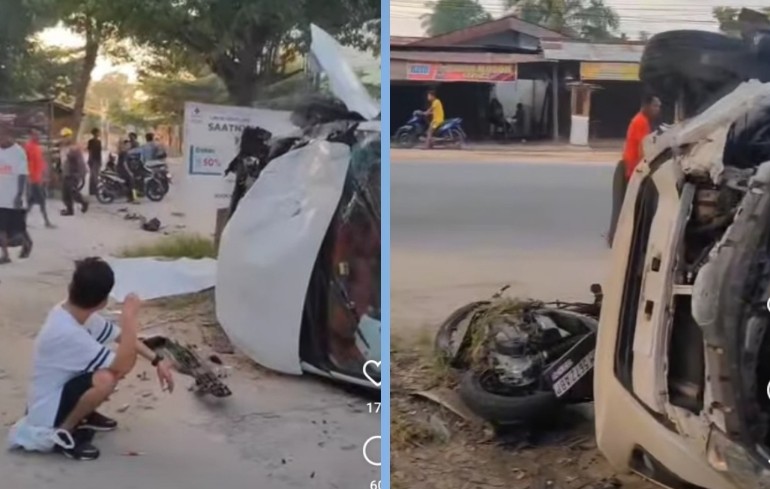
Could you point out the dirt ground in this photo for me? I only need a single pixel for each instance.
(275, 431)
(433, 448)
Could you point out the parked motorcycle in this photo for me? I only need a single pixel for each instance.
(449, 133)
(149, 182)
(159, 169)
(521, 360)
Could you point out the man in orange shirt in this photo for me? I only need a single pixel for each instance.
(638, 129)
(37, 169)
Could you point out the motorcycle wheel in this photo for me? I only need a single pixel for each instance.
(405, 138)
(104, 195)
(450, 341)
(457, 138)
(505, 410)
(154, 190)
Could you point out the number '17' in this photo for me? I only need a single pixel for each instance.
(374, 407)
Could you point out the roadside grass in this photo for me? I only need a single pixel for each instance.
(193, 246)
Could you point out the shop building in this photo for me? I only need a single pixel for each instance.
(559, 81)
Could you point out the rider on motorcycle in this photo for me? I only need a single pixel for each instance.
(436, 113)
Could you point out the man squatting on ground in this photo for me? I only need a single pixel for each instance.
(13, 189)
(74, 372)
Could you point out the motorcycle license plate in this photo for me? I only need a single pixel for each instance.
(573, 366)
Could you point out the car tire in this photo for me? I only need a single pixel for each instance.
(695, 63)
(505, 410)
(447, 345)
(728, 295)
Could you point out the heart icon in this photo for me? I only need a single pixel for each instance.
(377, 364)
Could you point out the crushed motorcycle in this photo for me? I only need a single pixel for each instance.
(519, 360)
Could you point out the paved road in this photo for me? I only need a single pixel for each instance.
(499, 206)
(461, 230)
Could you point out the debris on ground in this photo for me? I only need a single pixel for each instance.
(151, 225)
(434, 447)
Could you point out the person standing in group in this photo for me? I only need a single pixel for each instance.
(133, 140)
(124, 171)
(94, 160)
(13, 189)
(436, 114)
(633, 153)
(37, 171)
(73, 171)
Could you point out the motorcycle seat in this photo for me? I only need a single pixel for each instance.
(449, 122)
(155, 163)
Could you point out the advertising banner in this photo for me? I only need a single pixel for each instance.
(609, 71)
(211, 140)
(461, 72)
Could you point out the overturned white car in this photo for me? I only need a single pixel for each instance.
(298, 280)
(683, 349)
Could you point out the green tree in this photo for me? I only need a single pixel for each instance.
(19, 20)
(95, 21)
(728, 19)
(247, 44)
(588, 19)
(452, 15)
(47, 72)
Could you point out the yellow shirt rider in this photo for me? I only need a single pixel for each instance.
(436, 112)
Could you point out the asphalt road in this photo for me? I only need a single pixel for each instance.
(499, 206)
(460, 231)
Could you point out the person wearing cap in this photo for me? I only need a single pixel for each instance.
(73, 171)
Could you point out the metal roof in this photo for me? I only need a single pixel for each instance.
(402, 40)
(503, 24)
(609, 52)
(471, 58)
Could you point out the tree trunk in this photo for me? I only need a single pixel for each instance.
(242, 91)
(241, 77)
(93, 41)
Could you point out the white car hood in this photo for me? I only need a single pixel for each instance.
(344, 83)
(698, 143)
(269, 247)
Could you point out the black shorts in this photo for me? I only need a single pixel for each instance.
(13, 221)
(71, 393)
(36, 194)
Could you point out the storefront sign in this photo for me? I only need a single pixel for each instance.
(459, 72)
(609, 71)
(212, 136)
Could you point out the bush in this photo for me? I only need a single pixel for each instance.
(178, 246)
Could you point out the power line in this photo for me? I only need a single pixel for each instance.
(413, 11)
(406, 7)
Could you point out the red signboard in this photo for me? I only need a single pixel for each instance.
(460, 72)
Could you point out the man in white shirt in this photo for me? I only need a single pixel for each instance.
(13, 191)
(74, 372)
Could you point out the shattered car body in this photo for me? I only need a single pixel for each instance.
(683, 355)
(298, 280)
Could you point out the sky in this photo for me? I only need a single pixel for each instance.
(62, 37)
(651, 16)
(59, 36)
